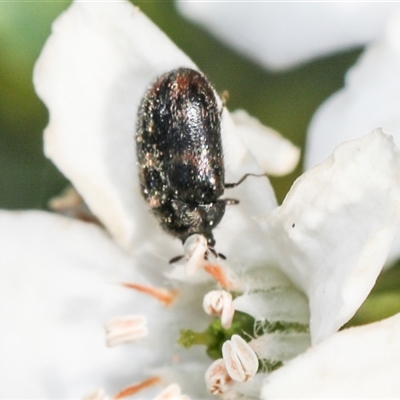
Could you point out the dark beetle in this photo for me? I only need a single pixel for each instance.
(179, 151)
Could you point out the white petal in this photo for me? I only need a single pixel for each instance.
(57, 290)
(370, 99)
(288, 305)
(56, 293)
(282, 34)
(362, 362)
(238, 236)
(91, 74)
(270, 296)
(280, 346)
(276, 155)
(336, 225)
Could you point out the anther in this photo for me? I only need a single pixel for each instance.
(164, 296)
(172, 392)
(97, 394)
(70, 203)
(241, 361)
(219, 303)
(218, 381)
(125, 329)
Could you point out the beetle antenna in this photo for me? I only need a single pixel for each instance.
(231, 202)
(232, 185)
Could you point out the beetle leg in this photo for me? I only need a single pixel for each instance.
(213, 252)
(176, 259)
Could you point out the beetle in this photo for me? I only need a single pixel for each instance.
(180, 157)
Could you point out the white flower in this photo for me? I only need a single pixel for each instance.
(92, 73)
(330, 236)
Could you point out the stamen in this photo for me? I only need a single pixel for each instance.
(125, 329)
(97, 394)
(241, 361)
(70, 203)
(195, 248)
(219, 303)
(218, 381)
(224, 97)
(222, 276)
(69, 198)
(138, 387)
(172, 392)
(164, 296)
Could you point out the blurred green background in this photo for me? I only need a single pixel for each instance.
(285, 101)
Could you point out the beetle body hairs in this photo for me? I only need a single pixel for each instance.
(180, 159)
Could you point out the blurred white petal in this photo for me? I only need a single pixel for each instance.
(275, 154)
(360, 362)
(237, 230)
(335, 228)
(370, 99)
(281, 346)
(58, 289)
(280, 305)
(280, 35)
(56, 292)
